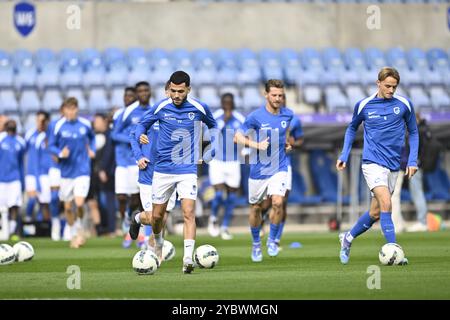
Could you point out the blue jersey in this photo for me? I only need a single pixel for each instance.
(39, 158)
(146, 150)
(227, 150)
(179, 134)
(295, 131)
(77, 135)
(12, 150)
(124, 122)
(384, 131)
(259, 125)
(50, 131)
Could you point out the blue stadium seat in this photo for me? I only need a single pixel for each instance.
(440, 99)
(419, 97)
(44, 56)
(203, 58)
(139, 74)
(98, 100)
(208, 95)
(69, 58)
(161, 73)
(51, 100)
(72, 77)
(309, 77)
(312, 94)
(117, 74)
(22, 58)
(396, 57)
(335, 100)
(157, 54)
(410, 77)
(354, 59)
(250, 74)
(91, 58)
(226, 58)
(6, 74)
(79, 95)
(438, 59)
(205, 76)
(112, 56)
(94, 76)
(117, 97)
(227, 75)
(178, 55)
(8, 101)
(158, 93)
(375, 58)
(354, 93)
(246, 58)
(137, 58)
(290, 60)
(48, 75)
(311, 60)
(25, 77)
(251, 98)
(417, 59)
(29, 101)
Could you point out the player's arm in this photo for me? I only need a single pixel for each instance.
(250, 125)
(53, 146)
(413, 136)
(137, 151)
(350, 135)
(141, 128)
(116, 133)
(20, 162)
(91, 147)
(296, 133)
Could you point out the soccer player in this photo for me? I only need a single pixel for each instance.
(266, 130)
(74, 144)
(12, 149)
(127, 172)
(180, 120)
(225, 169)
(37, 183)
(385, 116)
(295, 140)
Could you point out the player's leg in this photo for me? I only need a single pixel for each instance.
(383, 197)
(265, 209)
(257, 193)
(14, 202)
(187, 190)
(121, 190)
(397, 217)
(217, 180)
(232, 181)
(80, 191)
(285, 201)
(54, 176)
(30, 188)
(145, 194)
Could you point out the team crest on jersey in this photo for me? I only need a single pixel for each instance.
(396, 110)
(82, 130)
(191, 115)
(283, 124)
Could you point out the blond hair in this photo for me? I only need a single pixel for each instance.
(388, 72)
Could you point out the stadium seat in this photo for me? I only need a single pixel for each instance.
(438, 59)
(419, 97)
(69, 58)
(158, 93)
(208, 95)
(417, 59)
(375, 58)
(251, 98)
(161, 73)
(117, 74)
(227, 76)
(29, 101)
(98, 100)
(396, 57)
(311, 60)
(91, 58)
(94, 76)
(73, 77)
(8, 101)
(51, 100)
(22, 58)
(137, 58)
(6, 74)
(139, 74)
(203, 58)
(25, 77)
(309, 77)
(335, 100)
(48, 75)
(312, 94)
(205, 76)
(112, 56)
(354, 93)
(250, 74)
(226, 58)
(440, 99)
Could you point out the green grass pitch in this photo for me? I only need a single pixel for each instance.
(310, 272)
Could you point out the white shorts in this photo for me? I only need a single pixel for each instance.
(11, 194)
(289, 179)
(225, 172)
(71, 188)
(377, 175)
(258, 190)
(165, 184)
(145, 193)
(126, 180)
(54, 175)
(44, 195)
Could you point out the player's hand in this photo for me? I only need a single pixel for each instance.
(65, 152)
(143, 139)
(263, 145)
(410, 171)
(91, 153)
(55, 158)
(340, 165)
(288, 147)
(103, 176)
(142, 163)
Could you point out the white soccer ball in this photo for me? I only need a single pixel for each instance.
(168, 251)
(24, 251)
(391, 254)
(206, 256)
(7, 255)
(145, 262)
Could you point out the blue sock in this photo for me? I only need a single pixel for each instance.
(273, 231)
(280, 231)
(30, 206)
(54, 204)
(387, 226)
(255, 235)
(216, 203)
(229, 207)
(148, 230)
(362, 225)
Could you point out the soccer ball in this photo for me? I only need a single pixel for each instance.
(7, 255)
(391, 254)
(168, 251)
(23, 251)
(145, 262)
(206, 256)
